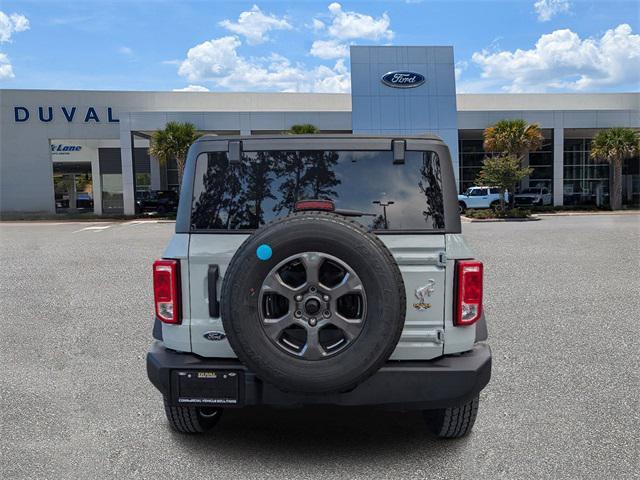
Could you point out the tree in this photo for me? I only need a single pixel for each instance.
(513, 138)
(614, 146)
(504, 172)
(259, 180)
(303, 128)
(173, 142)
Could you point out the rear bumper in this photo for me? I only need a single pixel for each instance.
(443, 382)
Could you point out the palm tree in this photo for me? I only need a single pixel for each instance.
(173, 142)
(304, 128)
(614, 146)
(513, 139)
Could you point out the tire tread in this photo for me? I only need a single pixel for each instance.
(185, 419)
(453, 422)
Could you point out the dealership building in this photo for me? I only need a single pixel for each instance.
(67, 151)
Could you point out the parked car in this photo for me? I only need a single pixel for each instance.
(284, 294)
(157, 201)
(534, 196)
(84, 200)
(480, 197)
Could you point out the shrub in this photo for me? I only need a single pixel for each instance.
(489, 213)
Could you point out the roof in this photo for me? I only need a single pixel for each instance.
(319, 136)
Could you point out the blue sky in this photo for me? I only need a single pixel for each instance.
(500, 46)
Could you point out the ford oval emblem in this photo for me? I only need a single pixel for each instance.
(403, 79)
(214, 336)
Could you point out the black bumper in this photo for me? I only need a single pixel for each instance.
(447, 381)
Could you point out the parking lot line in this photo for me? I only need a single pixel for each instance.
(94, 228)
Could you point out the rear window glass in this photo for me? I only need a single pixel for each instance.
(266, 185)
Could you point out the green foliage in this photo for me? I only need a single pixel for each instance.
(503, 172)
(173, 142)
(304, 128)
(614, 146)
(498, 213)
(513, 138)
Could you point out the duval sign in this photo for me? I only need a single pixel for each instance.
(402, 79)
(47, 114)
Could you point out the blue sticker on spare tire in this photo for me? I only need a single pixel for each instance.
(264, 252)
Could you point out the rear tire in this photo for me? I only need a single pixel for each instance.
(453, 422)
(494, 205)
(189, 419)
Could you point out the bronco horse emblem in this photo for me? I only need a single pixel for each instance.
(422, 293)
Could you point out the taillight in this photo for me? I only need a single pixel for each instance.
(166, 290)
(468, 292)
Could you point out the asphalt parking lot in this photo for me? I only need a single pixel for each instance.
(562, 299)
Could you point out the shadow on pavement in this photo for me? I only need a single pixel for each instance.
(318, 433)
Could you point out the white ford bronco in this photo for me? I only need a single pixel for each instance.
(319, 269)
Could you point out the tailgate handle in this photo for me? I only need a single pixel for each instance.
(212, 276)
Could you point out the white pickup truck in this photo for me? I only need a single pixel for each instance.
(480, 197)
(534, 196)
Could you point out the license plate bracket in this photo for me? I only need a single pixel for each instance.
(206, 387)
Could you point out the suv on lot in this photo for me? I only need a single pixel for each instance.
(480, 197)
(534, 196)
(319, 269)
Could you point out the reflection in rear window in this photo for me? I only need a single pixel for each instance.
(266, 185)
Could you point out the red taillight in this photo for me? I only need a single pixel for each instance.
(469, 292)
(166, 290)
(325, 205)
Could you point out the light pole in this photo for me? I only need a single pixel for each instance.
(384, 206)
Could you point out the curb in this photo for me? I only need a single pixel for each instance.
(497, 220)
(577, 214)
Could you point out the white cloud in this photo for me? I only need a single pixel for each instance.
(218, 61)
(210, 59)
(192, 88)
(6, 70)
(317, 25)
(10, 24)
(547, 9)
(460, 67)
(562, 60)
(328, 49)
(125, 51)
(351, 25)
(254, 25)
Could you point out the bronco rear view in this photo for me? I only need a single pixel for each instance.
(319, 269)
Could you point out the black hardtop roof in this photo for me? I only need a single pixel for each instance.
(316, 136)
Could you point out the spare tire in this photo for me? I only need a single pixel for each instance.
(313, 303)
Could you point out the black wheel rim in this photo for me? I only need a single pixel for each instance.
(312, 305)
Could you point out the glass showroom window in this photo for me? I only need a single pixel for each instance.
(142, 170)
(471, 156)
(172, 175)
(542, 163)
(586, 181)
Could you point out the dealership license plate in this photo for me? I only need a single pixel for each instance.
(206, 387)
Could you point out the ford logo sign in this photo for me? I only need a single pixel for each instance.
(403, 79)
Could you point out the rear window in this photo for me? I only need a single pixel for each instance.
(266, 185)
